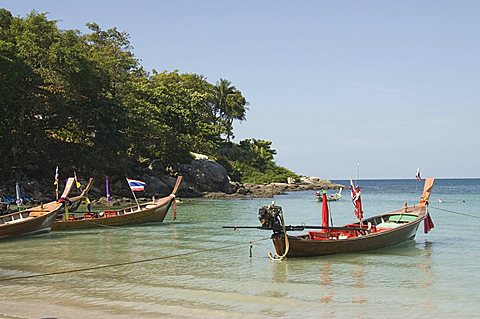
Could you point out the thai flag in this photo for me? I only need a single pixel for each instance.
(417, 175)
(136, 185)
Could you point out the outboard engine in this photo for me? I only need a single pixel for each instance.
(271, 217)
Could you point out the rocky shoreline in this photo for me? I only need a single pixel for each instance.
(272, 189)
(201, 178)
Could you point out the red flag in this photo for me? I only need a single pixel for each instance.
(428, 223)
(324, 210)
(358, 209)
(174, 208)
(356, 200)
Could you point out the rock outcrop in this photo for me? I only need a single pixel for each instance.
(269, 190)
(201, 178)
(206, 176)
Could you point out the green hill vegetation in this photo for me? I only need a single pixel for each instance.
(251, 161)
(84, 102)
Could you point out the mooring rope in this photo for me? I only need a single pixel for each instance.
(277, 257)
(128, 262)
(101, 225)
(453, 212)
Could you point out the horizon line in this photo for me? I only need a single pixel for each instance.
(402, 178)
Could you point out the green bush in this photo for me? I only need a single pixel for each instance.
(272, 174)
(251, 161)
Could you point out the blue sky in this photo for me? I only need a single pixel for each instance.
(392, 85)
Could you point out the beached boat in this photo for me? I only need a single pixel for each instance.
(153, 211)
(35, 220)
(371, 233)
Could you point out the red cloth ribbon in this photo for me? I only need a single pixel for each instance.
(174, 209)
(428, 223)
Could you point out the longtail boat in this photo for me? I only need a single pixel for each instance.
(371, 233)
(35, 220)
(153, 211)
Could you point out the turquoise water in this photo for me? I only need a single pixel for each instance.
(436, 275)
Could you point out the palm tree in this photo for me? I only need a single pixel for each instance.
(229, 105)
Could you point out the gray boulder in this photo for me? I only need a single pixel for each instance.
(206, 176)
(156, 186)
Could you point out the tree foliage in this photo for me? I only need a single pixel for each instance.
(84, 101)
(252, 161)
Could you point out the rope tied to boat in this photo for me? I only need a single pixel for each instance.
(69, 271)
(101, 225)
(255, 241)
(278, 257)
(453, 212)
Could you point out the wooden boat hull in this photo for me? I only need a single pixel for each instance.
(20, 224)
(148, 213)
(35, 220)
(303, 246)
(154, 211)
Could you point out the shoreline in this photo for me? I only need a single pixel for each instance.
(235, 191)
(247, 191)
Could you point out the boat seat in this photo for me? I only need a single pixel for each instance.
(401, 218)
(316, 235)
(386, 226)
(88, 215)
(109, 213)
(36, 214)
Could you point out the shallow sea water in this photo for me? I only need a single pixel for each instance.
(200, 270)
